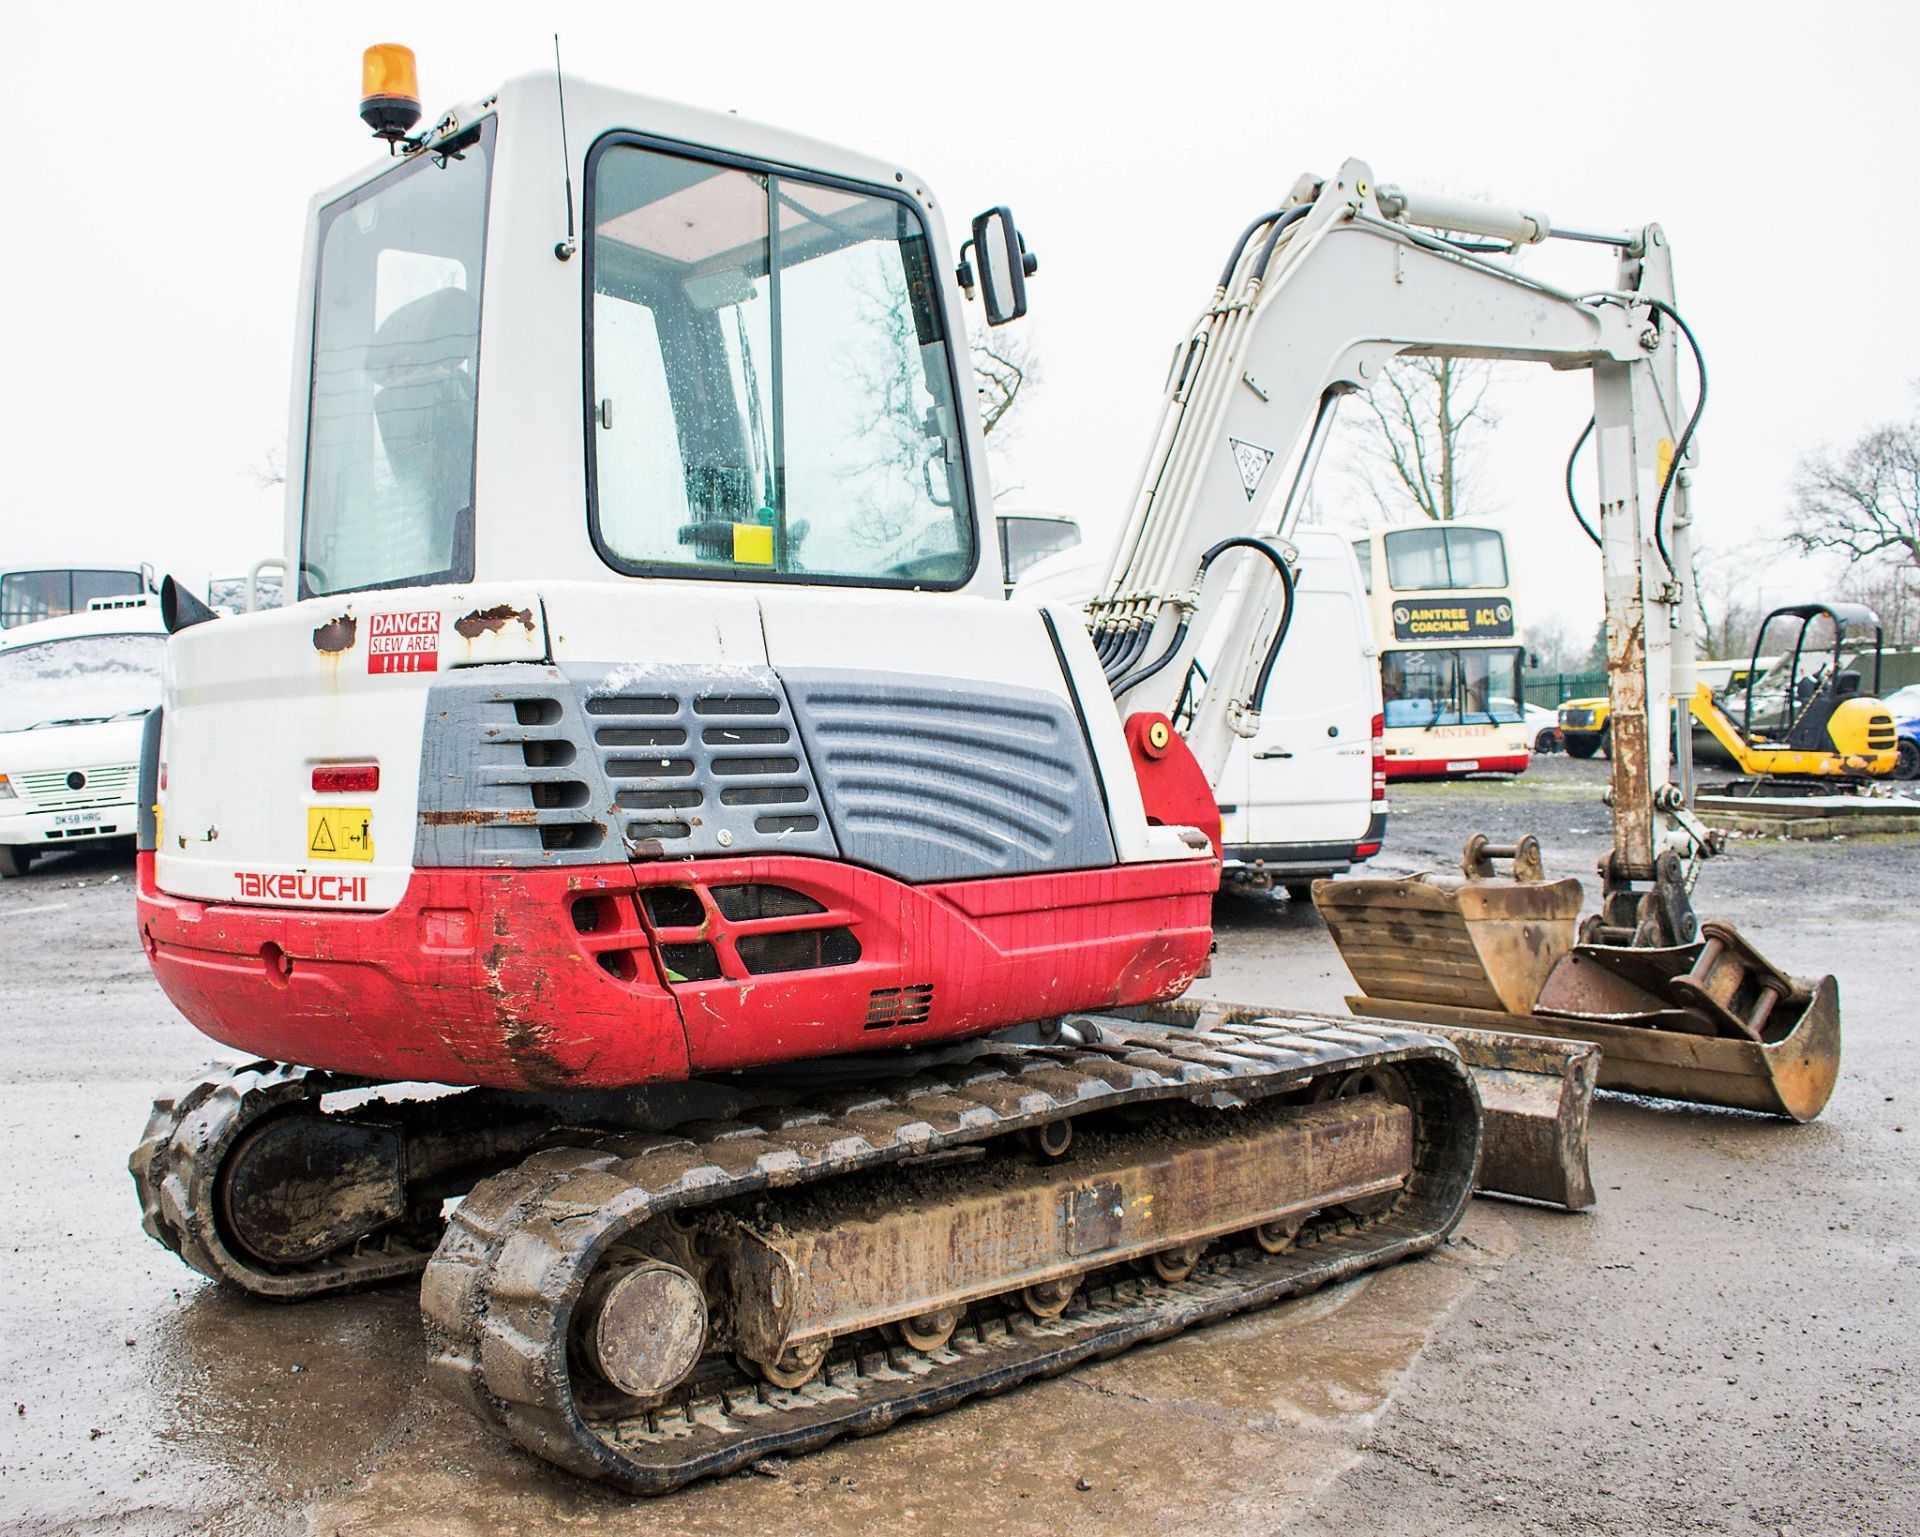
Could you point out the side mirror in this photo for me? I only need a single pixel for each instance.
(1005, 266)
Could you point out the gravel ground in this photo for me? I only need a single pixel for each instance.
(1726, 1344)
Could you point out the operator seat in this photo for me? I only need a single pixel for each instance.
(422, 365)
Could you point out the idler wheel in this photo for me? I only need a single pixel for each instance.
(298, 1186)
(1050, 1139)
(645, 1325)
(795, 1369)
(929, 1331)
(1277, 1237)
(1176, 1264)
(1049, 1299)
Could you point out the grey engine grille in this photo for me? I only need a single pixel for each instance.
(704, 764)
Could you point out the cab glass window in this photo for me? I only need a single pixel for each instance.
(771, 390)
(396, 345)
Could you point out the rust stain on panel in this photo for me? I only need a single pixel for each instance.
(336, 635)
(494, 619)
(522, 816)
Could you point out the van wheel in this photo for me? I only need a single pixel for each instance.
(1907, 764)
(1581, 746)
(14, 859)
(1606, 740)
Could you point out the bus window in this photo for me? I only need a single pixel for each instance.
(1451, 688)
(1491, 680)
(1363, 552)
(1419, 687)
(1439, 558)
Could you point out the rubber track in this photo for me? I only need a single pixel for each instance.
(178, 1159)
(499, 1293)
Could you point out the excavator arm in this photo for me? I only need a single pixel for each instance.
(1315, 301)
(1317, 298)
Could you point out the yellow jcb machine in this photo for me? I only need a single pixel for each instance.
(1798, 720)
(1806, 718)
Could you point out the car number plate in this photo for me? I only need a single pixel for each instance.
(1463, 766)
(78, 818)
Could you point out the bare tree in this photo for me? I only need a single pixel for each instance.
(1892, 590)
(1004, 364)
(1723, 599)
(270, 469)
(1557, 648)
(1864, 502)
(1419, 433)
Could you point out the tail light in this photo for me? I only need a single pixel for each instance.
(1379, 758)
(346, 778)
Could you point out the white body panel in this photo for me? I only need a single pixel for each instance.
(256, 703)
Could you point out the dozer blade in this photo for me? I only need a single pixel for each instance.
(1536, 1095)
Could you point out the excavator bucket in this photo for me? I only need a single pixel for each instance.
(1709, 1022)
(1467, 942)
(1535, 1099)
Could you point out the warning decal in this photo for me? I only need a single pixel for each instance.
(339, 832)
(408, 642)
(1252, 461)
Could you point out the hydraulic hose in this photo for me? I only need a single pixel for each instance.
(1240, 246)
(1686, 437)
(1573, 500)
(1238, 541)
(1281, 225)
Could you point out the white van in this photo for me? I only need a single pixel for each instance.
(1307, 796)
(74, 697)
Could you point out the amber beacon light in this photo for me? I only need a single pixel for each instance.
(389, 90)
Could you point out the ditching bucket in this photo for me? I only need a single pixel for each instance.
(1535, 1098)
(1710, 1022)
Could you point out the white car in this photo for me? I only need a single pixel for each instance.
(74, 694)
(1543, 728)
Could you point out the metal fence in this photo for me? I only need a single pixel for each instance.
(1550, 688)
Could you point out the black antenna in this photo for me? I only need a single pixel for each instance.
(564, 250)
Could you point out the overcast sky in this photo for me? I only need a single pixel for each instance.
(159, 160)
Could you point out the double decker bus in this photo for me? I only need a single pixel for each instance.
(1442, 610)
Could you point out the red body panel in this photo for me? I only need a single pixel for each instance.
(1436, 768)
(554, 978)
(1173, 787)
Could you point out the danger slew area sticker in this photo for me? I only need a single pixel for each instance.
(408, 642)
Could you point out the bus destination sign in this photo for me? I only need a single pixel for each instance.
(1485, 619)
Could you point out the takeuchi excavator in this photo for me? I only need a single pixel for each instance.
(650, 760)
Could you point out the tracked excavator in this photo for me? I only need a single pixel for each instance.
(651, 838)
